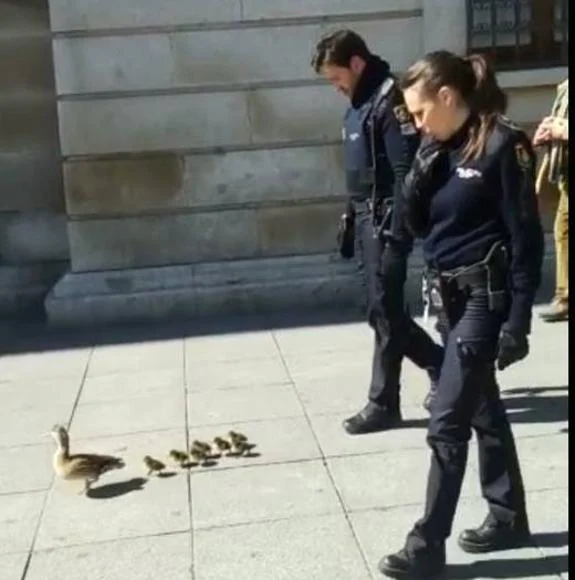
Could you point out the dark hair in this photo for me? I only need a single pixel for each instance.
(337, 48)
(474, 79)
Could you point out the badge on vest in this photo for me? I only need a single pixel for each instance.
(523, 158)
(467, 173)
(403, 117)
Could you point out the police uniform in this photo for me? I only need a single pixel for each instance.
(483, 244)
(379, 143)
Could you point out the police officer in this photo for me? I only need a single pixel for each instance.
(379, 143)
(471, 196)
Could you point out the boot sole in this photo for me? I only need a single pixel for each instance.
(471, 548)
(398, 574)
(387, 427)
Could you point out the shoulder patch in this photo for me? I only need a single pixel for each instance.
(507, 122)
(523, 157)
(401, 114)
(403, 117)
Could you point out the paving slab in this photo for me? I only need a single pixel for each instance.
(242, 405)
(48, 394)
(306, 340)
(124, 503)
(44, 365)
(535, 411)
(230, 347)
(12, 566)
(149, 558)
(381, 532)
(341, 395)
(389, 479)
(544, 462)
(30, 426)
(162, 409)
(549, 520)
(205, 376)
(137, 356)
(277, 441)
(354, 367)
(19, 516)
(267, 492)
(25, 469)
(115, 387)
(294, 549)
(334, 441)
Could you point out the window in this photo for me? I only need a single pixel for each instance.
(518, 34)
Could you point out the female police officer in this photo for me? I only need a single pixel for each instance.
(470, 194)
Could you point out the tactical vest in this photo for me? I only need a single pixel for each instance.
(364, 152)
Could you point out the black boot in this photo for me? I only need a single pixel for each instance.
(372, 418)
(404, 565)
(493, 536)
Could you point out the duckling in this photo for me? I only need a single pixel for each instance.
(199, 455)
(202, 446)
(245, 448)
(153, 465)
(236, 437)
(179, 457)
(223, 445)
(84, 466)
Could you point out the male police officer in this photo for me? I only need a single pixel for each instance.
(380, 141)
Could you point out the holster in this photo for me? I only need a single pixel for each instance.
(492, 273)
(346, 238)
(382, 215)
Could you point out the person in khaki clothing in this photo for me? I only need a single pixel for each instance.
(553, 133)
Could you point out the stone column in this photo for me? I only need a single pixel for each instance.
(33, 240)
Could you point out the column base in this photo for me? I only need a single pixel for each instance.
(24, 287)
(200, 290)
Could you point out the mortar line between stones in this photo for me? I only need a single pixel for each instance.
(51, 486)
(324, 461)
(188, 474)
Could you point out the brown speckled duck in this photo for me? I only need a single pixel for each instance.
(81, 466)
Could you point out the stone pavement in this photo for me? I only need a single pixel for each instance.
(314, 504)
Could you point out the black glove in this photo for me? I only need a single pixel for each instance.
(416, 188)
(422, 168)
(512, 348)
(346, 236)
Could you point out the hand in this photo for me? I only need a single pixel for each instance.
(558, 128)
(542, 135)
(512, 348)
(422, 167)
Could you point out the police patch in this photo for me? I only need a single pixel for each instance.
(523, 158)
(401, 114)
(403, 117)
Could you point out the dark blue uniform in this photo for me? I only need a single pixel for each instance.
(383, 258)
(483, 244)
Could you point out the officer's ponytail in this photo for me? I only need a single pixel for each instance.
(473, 79)
(487, 101)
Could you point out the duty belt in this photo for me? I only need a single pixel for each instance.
(490, 272)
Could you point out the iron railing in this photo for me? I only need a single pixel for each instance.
(519, 34)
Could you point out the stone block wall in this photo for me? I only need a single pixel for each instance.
(33, 237)
(197, 131)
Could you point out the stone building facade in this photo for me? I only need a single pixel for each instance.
(180, 158)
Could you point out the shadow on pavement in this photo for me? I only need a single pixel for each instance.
(525, 406)
(111, 490)
(510, 568)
